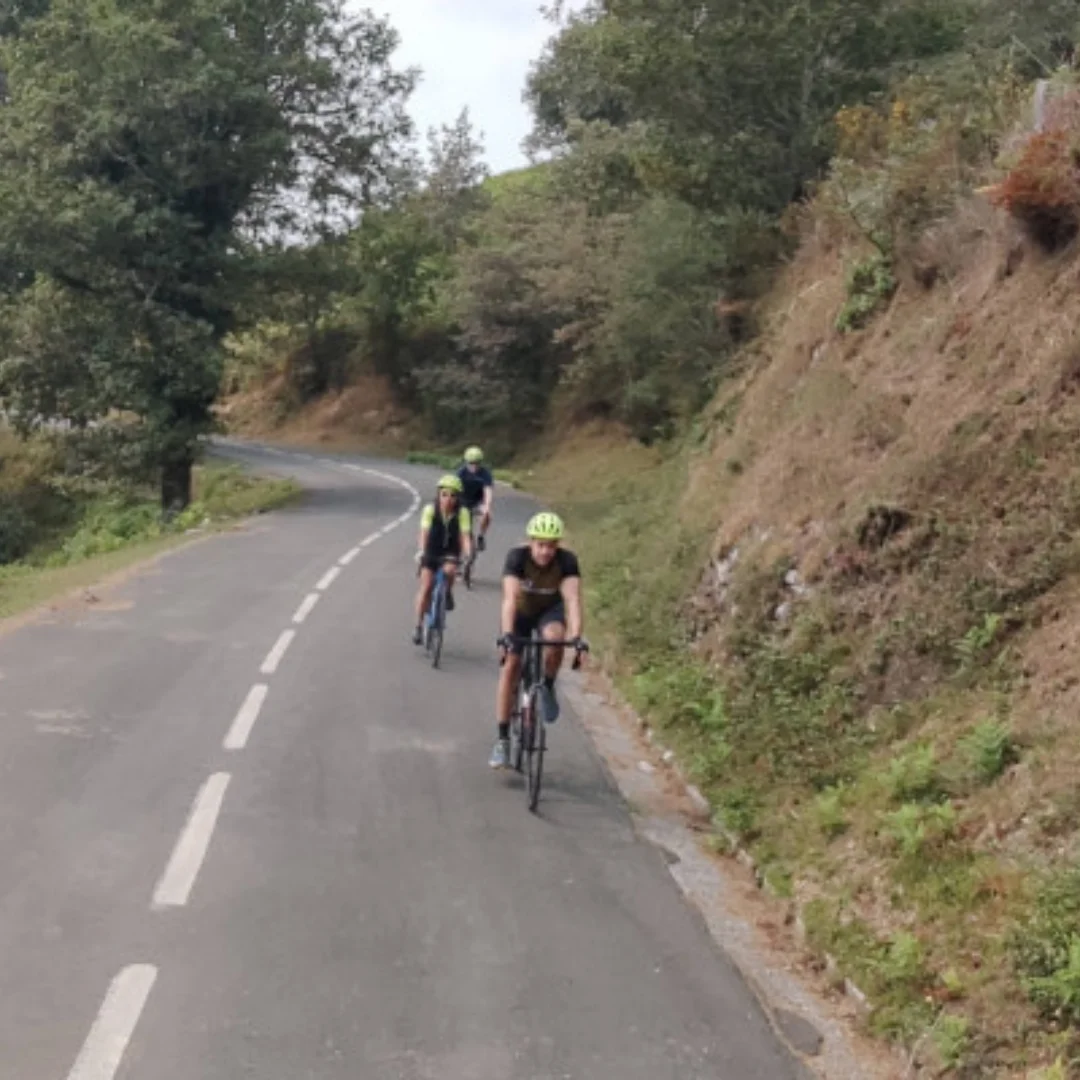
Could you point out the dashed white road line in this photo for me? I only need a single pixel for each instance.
(369, 540)
(328, 578)
(274, 656)
(245, 719)
(111, 1032)
(174, 888)
(349, 556)
(307, 605)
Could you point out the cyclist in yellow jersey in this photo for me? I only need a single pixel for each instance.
(445, 538)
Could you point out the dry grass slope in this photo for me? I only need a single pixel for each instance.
(875, 676)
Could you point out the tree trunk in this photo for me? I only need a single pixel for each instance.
(176, 485)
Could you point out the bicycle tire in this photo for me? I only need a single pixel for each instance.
(536, 748)
(437, 622)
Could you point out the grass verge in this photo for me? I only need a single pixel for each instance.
(102, 533)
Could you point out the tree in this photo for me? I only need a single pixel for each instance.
(144, 147)
(736, 97)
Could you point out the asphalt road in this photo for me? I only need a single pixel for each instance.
(247, 831)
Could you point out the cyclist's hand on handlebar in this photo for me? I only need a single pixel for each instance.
(581, 646)
(503, 644)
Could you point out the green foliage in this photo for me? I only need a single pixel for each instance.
(893, 973)
(1046, 947)
(141, 146)
(870, 284)
(952, 1037)
(678, 82)
(1057, 1071)
(916, 828)
(989, 750)
(830, 812)
(16, 532)
(914, 776)
(1058, 994)
(974, 645)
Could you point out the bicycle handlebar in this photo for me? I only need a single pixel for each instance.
(579, 645)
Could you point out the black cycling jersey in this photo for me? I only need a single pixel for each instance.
(540, 585)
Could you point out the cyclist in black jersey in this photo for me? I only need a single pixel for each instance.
(541, 589)
(477, 491)
(445, 537)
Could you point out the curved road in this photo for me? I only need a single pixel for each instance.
(245, 831)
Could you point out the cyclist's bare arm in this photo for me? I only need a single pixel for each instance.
(511, 592)
(571, 594)
(423, 539)
(489, 498)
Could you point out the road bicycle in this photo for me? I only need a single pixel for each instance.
(435, 619)
(528, 724)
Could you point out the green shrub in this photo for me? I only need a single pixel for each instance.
(916, 827)
(989, 750)
(952, 1035)
(870, 284)
(16, 532)
(914, 776)
(829, 812)
(1046, 947)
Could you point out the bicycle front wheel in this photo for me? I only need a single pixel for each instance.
(438, 605)
(534, 751)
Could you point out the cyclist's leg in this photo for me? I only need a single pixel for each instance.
(423, 591)
(485, 524)
(450, 568)
(552, 628)
(509, 676)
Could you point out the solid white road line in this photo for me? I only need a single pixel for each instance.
(246, 717)
(176, 883)
(115, 1024)
(273, 657)
(306, 607)
(328, 578)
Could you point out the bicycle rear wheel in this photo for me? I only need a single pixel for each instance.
(537, 744)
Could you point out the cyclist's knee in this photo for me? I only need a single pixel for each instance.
(553, 631)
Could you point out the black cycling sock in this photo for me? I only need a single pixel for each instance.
(549, 681)
(504, 731)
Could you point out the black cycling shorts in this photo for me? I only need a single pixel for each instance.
(437, 562)
(525, 624)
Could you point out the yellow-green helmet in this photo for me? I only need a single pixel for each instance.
(450, 483)
(474, 455)
(545, 526)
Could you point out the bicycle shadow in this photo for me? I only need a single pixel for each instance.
(565, 798)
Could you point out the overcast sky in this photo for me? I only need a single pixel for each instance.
(475, 53)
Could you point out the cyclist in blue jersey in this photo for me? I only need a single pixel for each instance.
(477, 490)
